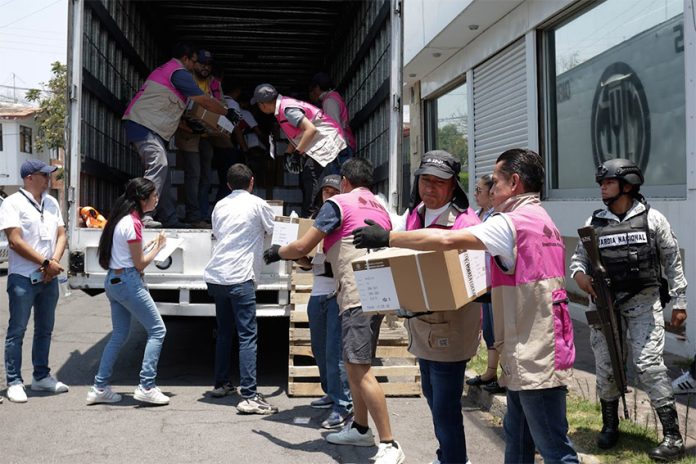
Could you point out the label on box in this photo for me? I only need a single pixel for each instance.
(226, 124)
(474, 269)
(284, 232)
(377, 289)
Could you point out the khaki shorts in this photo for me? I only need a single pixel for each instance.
(359, 335)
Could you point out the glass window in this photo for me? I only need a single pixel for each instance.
(446, 118)
(614, 79)
(25, 139)
(1, 137)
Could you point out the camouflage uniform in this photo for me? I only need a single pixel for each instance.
(641, 314)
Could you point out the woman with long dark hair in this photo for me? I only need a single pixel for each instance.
(121, 253)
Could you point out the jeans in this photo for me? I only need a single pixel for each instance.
(129, 297)
(197, 180)
(23, 295)
(153, 154)
(312, 176)
(325, 335)
(487, 326)
(235, 306)
(537, 418)
(443, 386)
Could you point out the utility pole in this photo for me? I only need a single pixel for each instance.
(14, 88)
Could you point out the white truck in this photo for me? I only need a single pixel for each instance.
(114, 44)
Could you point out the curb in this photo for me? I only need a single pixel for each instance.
(496, 405)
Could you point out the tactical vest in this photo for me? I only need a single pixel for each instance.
(628, 252)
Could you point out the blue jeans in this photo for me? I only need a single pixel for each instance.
(23, 295)
(537, 418)
(325, 334)
(443, 386)
(235, 306)
(129, 297)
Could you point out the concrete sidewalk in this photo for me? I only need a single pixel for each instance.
(584, 386)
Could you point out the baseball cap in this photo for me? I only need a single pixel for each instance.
(205, 57)
(32, 166)
(439, 163)
(333, 181)
(264, 93)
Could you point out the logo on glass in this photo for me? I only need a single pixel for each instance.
(620, 117)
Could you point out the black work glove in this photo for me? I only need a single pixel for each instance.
(233, 115)
(272, 254)
(372, 236)
(293, 162)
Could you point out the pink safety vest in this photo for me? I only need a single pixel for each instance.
(311, 112)
(153, 107)
(464, 219)
(345, 117)
(356, 206)
(216, 88)
(532, 320)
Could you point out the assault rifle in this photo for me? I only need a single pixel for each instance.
(605, 316)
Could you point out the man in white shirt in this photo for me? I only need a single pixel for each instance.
(36, 233)
(240, 221)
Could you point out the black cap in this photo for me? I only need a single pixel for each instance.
(439, 163)
(333, 181)
(205, 57)
(264, 93)
(322, 80)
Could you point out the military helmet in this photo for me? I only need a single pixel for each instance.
(619, 168)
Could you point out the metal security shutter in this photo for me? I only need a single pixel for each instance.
(500, 106)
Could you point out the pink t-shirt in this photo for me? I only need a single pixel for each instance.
(128, 230)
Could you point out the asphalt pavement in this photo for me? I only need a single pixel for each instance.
(194, 427)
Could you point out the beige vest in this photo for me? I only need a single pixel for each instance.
(341, 255)
(445, 336)
(158, 109)
(325, 145)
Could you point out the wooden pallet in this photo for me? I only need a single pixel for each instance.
(395, 368)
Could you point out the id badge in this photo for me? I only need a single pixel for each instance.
(43, 232)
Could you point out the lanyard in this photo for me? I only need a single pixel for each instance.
(33, 203)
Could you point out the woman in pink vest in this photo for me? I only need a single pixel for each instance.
(321, 91)
(317, 143)
(533, 329)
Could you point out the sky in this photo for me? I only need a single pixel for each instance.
(33, 34)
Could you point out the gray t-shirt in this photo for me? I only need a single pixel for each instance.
(294, 116)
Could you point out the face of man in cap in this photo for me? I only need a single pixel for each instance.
(435, 192)
(202, 70)
(189, 63)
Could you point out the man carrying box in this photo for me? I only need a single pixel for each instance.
(533, 332)
(443, 341)
(360, 332)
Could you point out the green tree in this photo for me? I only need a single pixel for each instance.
(53, 108)
(449, 138)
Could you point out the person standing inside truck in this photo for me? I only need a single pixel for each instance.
(196, 149)
(338, 216)
(443, 341)
(322, 92)
(35, 232)
(533, 329)
(636, 244)
(317, 143)
(122, 254)
(240, 221)
(152, 117)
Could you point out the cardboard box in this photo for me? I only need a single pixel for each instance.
(213, 122)
(276, 206)
(287, 229)
(419, 281)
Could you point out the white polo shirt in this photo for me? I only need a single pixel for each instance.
(240, 221)
(40, 231)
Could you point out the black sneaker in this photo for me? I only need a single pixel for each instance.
(256, 405)
(494, 387)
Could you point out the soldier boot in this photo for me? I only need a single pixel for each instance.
(610, 424)
(672, 445)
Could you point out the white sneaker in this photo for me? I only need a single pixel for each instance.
(153, 396)
(16, 393)
(351, 436)
(48, 384)
(389, 454)
(684, 384)
(257, 404)
(102, 395)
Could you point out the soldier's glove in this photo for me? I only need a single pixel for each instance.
(196, 127)
(372, 236)
(293, 162)
(272, 254)
(233, 115)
